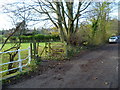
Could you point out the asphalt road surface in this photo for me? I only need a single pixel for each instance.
(93, 69)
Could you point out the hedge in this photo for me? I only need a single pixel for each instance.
(39, 38)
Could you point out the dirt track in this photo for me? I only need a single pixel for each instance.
(94, 69)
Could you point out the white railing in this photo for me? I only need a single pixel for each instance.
(19, 60)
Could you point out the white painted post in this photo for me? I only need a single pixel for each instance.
(20, 61)
(29, 54)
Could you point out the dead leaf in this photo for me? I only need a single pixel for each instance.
(106, 83)
(95, 78)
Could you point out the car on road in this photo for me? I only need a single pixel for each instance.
(114, 39)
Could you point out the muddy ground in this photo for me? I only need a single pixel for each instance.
(96, 68)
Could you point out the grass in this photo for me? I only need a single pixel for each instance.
(1, 36)
(23, 45)
(5, 57)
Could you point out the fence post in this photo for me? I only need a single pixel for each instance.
(31, 47)
(20, 61)
(29, 54)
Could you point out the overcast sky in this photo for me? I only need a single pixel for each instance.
(5, 21)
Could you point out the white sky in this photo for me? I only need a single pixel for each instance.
(5, 20)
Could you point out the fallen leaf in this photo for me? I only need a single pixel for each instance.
(95, 78)
(106, 83)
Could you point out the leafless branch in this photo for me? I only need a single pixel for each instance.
(17, 29)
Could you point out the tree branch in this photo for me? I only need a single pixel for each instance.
(63, 16)
(78, 11)
(46, 12)
(17, 28)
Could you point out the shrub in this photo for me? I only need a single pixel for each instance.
(39, 38)
(13, 39)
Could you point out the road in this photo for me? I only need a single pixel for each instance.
(93, 69)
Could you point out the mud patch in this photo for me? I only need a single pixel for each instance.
(63, 68)
(91, 64)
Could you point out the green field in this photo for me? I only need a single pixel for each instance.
(5, 57)
(23, 45)
(1, 36)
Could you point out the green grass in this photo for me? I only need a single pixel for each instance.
(24, 54)
(1, 36)
(5, 57)
(23, 45)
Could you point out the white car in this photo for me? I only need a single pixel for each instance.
(113, 39)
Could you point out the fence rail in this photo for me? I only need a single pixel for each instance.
(19, 60)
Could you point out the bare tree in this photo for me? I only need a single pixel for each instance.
(67, 16)
(21, 14)
(15, 15)
(16, 46)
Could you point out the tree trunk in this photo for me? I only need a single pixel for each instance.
(10, 66)
(34, 48)
(61, 31)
